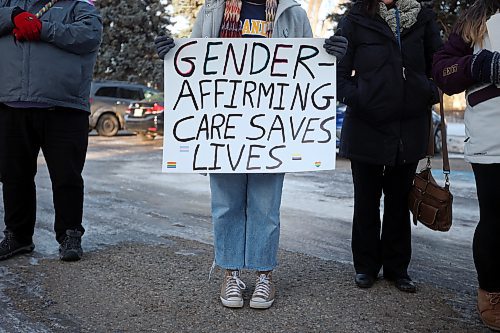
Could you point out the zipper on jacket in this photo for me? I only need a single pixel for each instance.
(398, 38)
(213, 24)
(401, 147)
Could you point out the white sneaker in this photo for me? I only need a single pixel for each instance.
(263, 295)
(231, 294)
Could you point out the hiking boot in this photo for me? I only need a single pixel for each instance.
(10, 246)
(488, 305)
(70, 248)
(263, 295)
(231, 294)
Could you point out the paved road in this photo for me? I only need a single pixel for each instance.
(128, 201)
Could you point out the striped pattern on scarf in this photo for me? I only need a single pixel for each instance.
(45, 8)
(231, 27)
(53, 2)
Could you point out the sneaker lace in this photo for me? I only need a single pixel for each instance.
(263, 286)
(234, 285)
(494, 298)
(70, 242)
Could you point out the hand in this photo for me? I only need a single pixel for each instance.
(163, 44)
(336, 46)
(27, 26)
(486, 67)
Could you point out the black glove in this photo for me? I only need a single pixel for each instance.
(486, 67)
(163, 44)
(336, 46)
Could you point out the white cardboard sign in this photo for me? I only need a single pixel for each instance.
(249, 106)
(493, 25)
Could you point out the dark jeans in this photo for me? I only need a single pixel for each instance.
(62, 134)
(377, 244)
(486, 245)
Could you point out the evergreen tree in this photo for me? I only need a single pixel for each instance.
(127, 51)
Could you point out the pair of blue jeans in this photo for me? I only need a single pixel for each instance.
(246, 218)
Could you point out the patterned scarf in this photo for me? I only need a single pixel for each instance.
(52, 3)
(408, 11)
(231, 27)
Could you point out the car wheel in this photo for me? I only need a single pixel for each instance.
(108, 125)
(438, 144)
(146, 136)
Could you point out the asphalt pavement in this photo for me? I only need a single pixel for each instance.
(148, 253)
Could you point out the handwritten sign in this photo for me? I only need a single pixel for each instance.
(249, 106)
(493, 25)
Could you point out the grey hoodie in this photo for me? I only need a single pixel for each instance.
(57, 70)
(291, 20)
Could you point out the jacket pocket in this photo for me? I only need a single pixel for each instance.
(419, 93)
(58, 79)
(376, 99)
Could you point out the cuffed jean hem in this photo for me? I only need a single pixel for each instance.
(246, 267)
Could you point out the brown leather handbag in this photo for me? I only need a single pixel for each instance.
(430, 203)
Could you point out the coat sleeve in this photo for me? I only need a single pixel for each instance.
(6, 24)
(307, 26)
(198, 24)
(81, 36)
(346, 86)
(432, 43)
(451, 67)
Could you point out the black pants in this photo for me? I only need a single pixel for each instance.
(387, 244)
(62, 134)
(486, 245)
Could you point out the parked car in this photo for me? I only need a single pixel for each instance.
(438, 133)
(436, 121)
(145, 117)
(109, 101)
(340, 120)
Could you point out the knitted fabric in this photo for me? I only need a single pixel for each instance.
(408, 11)
(45, 8)
(231, 26)
(52, 2)
(485, 67)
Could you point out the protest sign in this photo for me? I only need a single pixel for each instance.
(493, 25)
(249, 106)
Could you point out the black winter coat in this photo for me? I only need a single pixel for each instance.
(389, 95)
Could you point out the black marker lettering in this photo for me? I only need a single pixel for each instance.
(327, 98)
(189, 60)
(175, 130)
(301, 58)
(280, 162)
(207, 58)
(268, 56)
(250, 156)
(185, 84)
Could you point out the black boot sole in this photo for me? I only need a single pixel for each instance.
(19, 251)
(71, 256)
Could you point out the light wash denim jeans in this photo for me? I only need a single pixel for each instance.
(246, 218)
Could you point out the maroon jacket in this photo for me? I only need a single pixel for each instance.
(451, 66)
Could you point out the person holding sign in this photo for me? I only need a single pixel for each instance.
(385, 81)
(246, 207)
(48, 57)
(469, 62)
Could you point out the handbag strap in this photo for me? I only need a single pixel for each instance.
(444, 145)
(444, 136)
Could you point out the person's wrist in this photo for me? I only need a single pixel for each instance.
(16, 11)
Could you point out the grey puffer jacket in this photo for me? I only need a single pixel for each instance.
(291, 20)
(56, 70)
